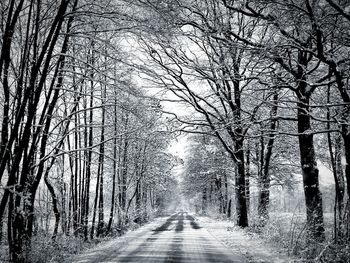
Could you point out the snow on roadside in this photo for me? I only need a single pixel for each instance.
(253, 248)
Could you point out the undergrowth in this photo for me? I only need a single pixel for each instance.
(44, 249)
(289, 232)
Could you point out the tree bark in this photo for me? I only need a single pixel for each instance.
(54, 204)
(204, 201)
(313, 197)
(101, 160)
(247, 178)
(115, 149)
(240, 186)
(264, 191)
(229, 208)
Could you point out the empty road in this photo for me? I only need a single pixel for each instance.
(178, 238)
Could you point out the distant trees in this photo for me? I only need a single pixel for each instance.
(206, 178)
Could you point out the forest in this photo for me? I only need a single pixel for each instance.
(94, 95)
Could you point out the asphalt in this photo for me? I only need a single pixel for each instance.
(177, 238)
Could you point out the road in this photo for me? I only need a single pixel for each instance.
(178, 238)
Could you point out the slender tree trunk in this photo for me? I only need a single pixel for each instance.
(54, 204)
(124, 170)
(76, 191)
(264, 194)
(346, 219)
(219, 196)
(204, 201)
(1, 230)
(247, 178)
(115, 149)
(145, 208)
(138, 199)
(100, 225)
(88, 169)
(92, 231)
(225, 193)
(229, 208)
(337, 175)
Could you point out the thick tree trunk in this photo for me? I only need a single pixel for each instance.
(346, 138)
(313, 198)
(240, 186)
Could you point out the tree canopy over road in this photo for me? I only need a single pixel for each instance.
(93, 95)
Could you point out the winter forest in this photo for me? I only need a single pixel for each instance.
(116, 113)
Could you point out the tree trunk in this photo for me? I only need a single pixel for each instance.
(240, 186)
(313, 198)
(226, 193)
(229, 208)
(138, 197)
(54, 204)
(335, 159)
(340, 229)
(346, 138)
(115, 151)
(124, 170)
(247, 178)
(264, 194)
(100, 224)
(219, 196)
(1, 230)
(204, 201)
(92, 231)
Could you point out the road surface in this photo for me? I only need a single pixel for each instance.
(178, 238)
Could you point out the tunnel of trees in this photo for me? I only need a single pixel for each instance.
(92, 93)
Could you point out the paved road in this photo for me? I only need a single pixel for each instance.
(178, 238)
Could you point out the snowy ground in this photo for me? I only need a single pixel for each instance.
(183, 238)
(251, 247)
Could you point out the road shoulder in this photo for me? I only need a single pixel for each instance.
(252, 247)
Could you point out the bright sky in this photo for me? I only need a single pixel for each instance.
(178, 148)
